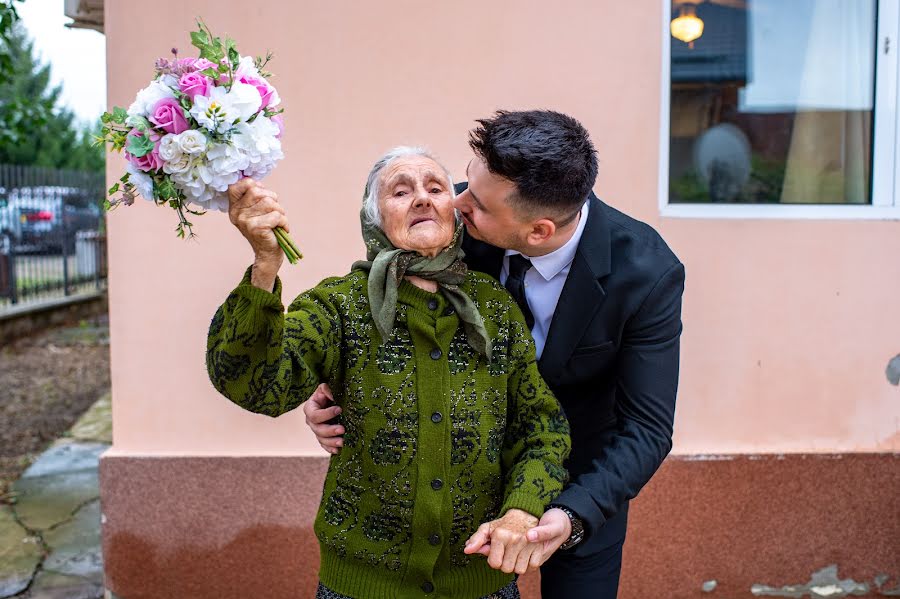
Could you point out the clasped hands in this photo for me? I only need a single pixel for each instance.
(517, 542)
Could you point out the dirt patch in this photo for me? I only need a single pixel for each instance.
(46, 382)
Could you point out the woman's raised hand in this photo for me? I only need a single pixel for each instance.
(255, 211)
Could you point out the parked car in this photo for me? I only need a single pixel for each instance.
(46, 218)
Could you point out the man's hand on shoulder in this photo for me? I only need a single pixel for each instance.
(319, 416)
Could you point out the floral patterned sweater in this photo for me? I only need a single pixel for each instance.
(438, 440)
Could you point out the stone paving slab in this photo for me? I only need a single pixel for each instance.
(57, 498)
(53, 585)
(65, 457)
(45, 501)
(62, 480)
(75, 545)
(20, 554)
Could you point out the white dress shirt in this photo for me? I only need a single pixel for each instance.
(544, 282)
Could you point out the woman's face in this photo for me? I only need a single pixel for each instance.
(416, 204)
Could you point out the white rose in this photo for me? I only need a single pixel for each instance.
(178, 164)
(169, 147)
(192, 142)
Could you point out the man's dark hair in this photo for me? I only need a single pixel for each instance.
(548, 155)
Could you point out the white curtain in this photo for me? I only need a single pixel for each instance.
(816, 58)
(830, 158)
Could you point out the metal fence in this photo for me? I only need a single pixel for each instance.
(52, 233)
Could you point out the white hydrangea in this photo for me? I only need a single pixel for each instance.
(259, 142)
(193, 183)
(227, 158)
(219, 202)
(148, 97)
(141, 181)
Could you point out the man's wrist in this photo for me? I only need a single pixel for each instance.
(577, 526)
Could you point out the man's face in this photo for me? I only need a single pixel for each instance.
(484, 208)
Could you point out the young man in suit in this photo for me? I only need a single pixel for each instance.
(602, 294)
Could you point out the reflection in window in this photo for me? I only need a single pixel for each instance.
(772, 101)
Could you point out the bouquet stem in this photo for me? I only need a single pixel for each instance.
(287, 245)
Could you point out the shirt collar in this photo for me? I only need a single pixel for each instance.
(550, 265)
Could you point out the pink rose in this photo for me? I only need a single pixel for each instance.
(265, 90)
(193, 84)
(202, 64)
(278, 120)
(150, 161)
(189, 65)
(169, 116)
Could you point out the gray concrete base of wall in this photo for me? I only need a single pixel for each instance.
(26, 319)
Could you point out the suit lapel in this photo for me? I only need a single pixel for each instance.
(582, 293)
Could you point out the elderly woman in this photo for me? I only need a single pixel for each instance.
(448, 423)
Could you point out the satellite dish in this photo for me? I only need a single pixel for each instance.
(722, 161)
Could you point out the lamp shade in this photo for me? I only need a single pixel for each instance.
(687, 26)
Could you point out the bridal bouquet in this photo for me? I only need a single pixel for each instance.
(202, 124)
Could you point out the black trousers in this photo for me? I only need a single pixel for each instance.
(589, 572)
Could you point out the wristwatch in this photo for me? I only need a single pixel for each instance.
(577, 527)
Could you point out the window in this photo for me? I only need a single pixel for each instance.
(780, 109)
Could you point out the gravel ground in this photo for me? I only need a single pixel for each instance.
(46, 382)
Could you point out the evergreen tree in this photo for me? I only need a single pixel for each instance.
(35, 129)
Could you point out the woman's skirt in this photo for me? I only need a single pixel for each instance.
(510, 591)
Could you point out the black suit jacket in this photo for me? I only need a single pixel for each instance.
(611, 358)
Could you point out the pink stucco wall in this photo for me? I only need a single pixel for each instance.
(788, 325)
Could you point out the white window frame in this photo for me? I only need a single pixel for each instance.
(885, 155)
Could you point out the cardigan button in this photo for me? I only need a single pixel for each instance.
(428, 587)
(432, 304)
(437, 484)
(436, 354)
(435, 539)
(437, 417)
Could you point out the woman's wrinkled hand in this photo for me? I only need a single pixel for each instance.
(255, 211)
(505, 543)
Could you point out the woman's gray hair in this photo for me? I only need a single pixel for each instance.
(371, 212)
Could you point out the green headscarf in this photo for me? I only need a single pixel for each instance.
(387, 265)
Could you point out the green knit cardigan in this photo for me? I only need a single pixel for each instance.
(437, 439)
